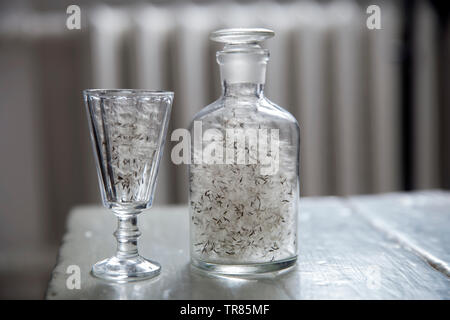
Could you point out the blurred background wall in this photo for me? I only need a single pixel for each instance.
(373, 105)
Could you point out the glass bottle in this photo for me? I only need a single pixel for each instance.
(244, 171)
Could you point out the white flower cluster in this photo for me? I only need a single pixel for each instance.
(240, 216)
(129, 134)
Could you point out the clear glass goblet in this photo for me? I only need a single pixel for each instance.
(128, 130)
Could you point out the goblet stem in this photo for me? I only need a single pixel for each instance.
(126, 264)
(127, 234)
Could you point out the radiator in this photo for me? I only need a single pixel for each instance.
(340, 79)
(337, 77)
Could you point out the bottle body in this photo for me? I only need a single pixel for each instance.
(244, 174)
(243, 209)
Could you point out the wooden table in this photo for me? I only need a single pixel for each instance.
(390, 246)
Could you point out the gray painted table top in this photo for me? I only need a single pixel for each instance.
(391, 246)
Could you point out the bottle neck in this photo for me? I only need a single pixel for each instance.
(243, 69)
(242, 90)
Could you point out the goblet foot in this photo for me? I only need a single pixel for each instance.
(126, 269)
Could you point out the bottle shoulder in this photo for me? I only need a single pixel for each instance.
(207, 111)
(269, 107)
(258, 110)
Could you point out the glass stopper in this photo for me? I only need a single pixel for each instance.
(242, 35)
